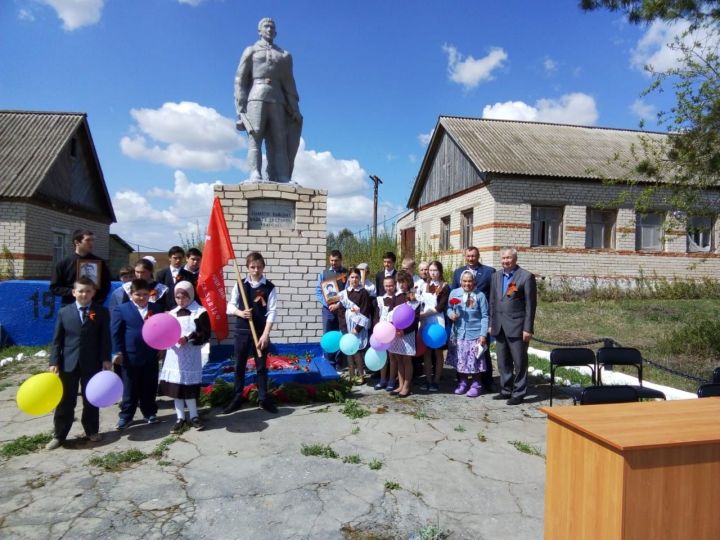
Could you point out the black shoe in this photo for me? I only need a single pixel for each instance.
(269, 406)
(178, 427)
(234, 405)
(197, 424)
(515, 400)
(502, 396)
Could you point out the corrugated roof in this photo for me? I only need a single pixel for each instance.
(539, 149)
(29, 144)
(533, 149)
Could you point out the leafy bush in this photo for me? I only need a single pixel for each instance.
(696, 337)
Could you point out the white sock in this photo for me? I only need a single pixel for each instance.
(180, 409)
(192, 408)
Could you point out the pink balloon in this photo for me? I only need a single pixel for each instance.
(161, 331)
(384, 332)
(403, 316)
(377, 345)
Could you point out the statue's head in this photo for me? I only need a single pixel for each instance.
(266, 28)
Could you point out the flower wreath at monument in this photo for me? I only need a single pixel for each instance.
(220, 392)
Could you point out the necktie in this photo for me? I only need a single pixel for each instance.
(83, 313)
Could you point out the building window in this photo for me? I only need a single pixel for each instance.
(59, 247)
(600, 229)
(445, 233)
(466, 229)
(546, 226)
(648, 231)
(699, 233)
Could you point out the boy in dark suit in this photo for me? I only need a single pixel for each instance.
(172, 274)
(138, 361)
(80, 349)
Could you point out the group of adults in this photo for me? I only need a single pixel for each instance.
(505, 298)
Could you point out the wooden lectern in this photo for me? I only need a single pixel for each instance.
(634, 471)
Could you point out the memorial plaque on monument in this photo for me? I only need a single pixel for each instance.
(271, 214)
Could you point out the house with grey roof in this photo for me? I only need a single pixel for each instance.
(51, 184)
(543, 188)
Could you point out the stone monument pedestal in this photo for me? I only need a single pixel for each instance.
(287, 223)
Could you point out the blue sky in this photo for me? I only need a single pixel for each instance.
(155, 78)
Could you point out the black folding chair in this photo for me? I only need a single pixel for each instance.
(716, 375)
(596, 395)
(571, 357)
(709, 390)
(626, 356)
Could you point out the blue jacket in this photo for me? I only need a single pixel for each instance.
(473, 321)
(126, 331)
(483, 279)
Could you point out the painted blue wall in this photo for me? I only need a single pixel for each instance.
(28, 311)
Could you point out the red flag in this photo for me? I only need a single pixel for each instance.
(217, 252)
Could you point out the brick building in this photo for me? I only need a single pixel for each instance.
(539, 187)
(51, 184)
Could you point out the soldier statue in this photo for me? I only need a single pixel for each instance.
(266, 101)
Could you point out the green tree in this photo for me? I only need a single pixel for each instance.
(675, 170)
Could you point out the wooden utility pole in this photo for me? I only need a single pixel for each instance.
(376, 181)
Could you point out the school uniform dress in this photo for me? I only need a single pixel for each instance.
(81, 343)
(434, 296)
(467, 331)
(181, 373)
(262, 297)
(139, 370)
(405, 343)
(355, 307)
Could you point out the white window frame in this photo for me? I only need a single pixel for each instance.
(700, 232)
(649, 231)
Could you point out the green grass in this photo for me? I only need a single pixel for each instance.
(527, 448)
(481, 437)
(459, 428)
(355, 430)
(678, 333)
(572, 375)
(161, 448)
(391, 486)
(431, 532)
(318, 450)
(420, 414)
(26, 444)
(116, 461)
(352, 409)
(375, 464)
(353, 459)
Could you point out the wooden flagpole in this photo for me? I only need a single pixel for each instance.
(241, 285)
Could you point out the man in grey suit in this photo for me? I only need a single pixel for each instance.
(80, 349)
(513, 299)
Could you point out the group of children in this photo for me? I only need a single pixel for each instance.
(88, 338)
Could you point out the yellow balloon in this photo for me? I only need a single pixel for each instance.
(40, 394)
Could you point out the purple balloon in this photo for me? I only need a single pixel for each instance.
(161, 331)
(403, 316)
(377, 345)
(104, 389)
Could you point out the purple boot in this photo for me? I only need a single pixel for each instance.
(475, 389)
(462, 387)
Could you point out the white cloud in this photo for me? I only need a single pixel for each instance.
(184, 135)
(653, 50)
(26, 15)
(192, 3)
(76, 13)
(643, 110)
(140, 218)
(576, 108)
(469, 71)
(550, 66)
(424, 138)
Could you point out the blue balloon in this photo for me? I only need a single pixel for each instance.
(434, 336)
(375, 360)
(349, 344)
(330, 342)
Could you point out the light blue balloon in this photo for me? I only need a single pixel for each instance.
(375, 360)
(349, 344)
(330, 342)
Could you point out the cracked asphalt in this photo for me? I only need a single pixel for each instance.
(447, 462)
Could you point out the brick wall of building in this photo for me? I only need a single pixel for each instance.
(293, 258)
(502, 216)
(27, 230)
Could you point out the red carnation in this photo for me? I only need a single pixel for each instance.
(207, 390)
(454, 301)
